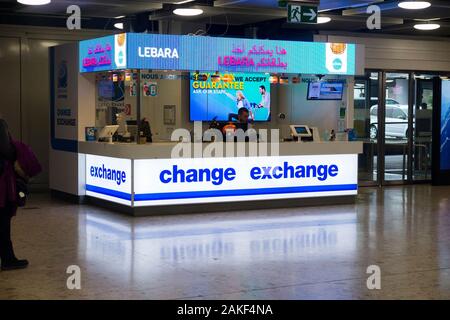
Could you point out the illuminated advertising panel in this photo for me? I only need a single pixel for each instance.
(109, 179)
(159, 182)
(102, 54)
(188, 53)
(220, 96)
(209, 180)
(445, 126)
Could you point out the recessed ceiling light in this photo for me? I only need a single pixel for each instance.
(323, 19)
(188, 12)
(414, 5)
(34, 2)
(183, 2)
(118, 25)
(427, 26)
(119, 17)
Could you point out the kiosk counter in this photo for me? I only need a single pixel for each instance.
(176, 177)
(150, 178)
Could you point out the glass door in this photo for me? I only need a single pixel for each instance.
(423, 116)
(366, 91)
(393, 116)
(397, 116)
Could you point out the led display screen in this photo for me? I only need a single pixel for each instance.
(219, 96)
(325, 90)
(445, 126)
(187, 53)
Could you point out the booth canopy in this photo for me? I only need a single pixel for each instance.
(201, 53)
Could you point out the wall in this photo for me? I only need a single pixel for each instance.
(25, 84)
(170, 92)
(292, 101)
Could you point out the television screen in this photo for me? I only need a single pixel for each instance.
(445, 126)
(109, 90)
(325, 90)
(301, 130)
(220, 96)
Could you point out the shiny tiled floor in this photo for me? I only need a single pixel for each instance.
(302, 253)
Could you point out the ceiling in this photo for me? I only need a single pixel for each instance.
(231, 17)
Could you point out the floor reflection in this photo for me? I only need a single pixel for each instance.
(227, 239)
(299, 253)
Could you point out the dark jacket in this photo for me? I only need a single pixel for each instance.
(8, 197)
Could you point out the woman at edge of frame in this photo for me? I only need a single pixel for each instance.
(8, 200)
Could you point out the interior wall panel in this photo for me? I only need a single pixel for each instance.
(10, 83)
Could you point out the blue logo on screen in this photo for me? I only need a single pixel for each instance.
(120, 57)
(337, 64)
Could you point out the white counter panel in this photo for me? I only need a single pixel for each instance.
(163, 150)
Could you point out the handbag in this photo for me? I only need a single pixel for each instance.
(21, 185)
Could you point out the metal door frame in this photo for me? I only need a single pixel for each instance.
(382, 125)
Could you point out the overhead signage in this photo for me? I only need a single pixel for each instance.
(191, 53)
(302, 13)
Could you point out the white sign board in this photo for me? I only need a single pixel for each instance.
(109, 179)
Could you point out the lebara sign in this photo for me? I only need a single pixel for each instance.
(208, 180)
(102, 54)
(171, 52)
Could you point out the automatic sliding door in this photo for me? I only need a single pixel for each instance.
(397, 127)
(423, 116)
(366, 91)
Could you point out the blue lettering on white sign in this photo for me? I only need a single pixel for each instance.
(102, 172)
(287, 171)
(217, 176)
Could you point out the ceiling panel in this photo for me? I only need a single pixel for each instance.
(348, 15)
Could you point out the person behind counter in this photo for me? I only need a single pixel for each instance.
(243, 116)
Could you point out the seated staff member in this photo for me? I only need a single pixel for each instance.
(242, 122)
(243, 115)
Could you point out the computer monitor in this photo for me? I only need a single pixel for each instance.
(107, 132)
(300, 131)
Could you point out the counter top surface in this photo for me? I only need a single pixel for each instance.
(163, 150)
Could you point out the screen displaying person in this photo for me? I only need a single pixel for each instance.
(241, 100)
(241, 103)
(265, 98)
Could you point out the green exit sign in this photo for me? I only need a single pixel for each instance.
(302, 14)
